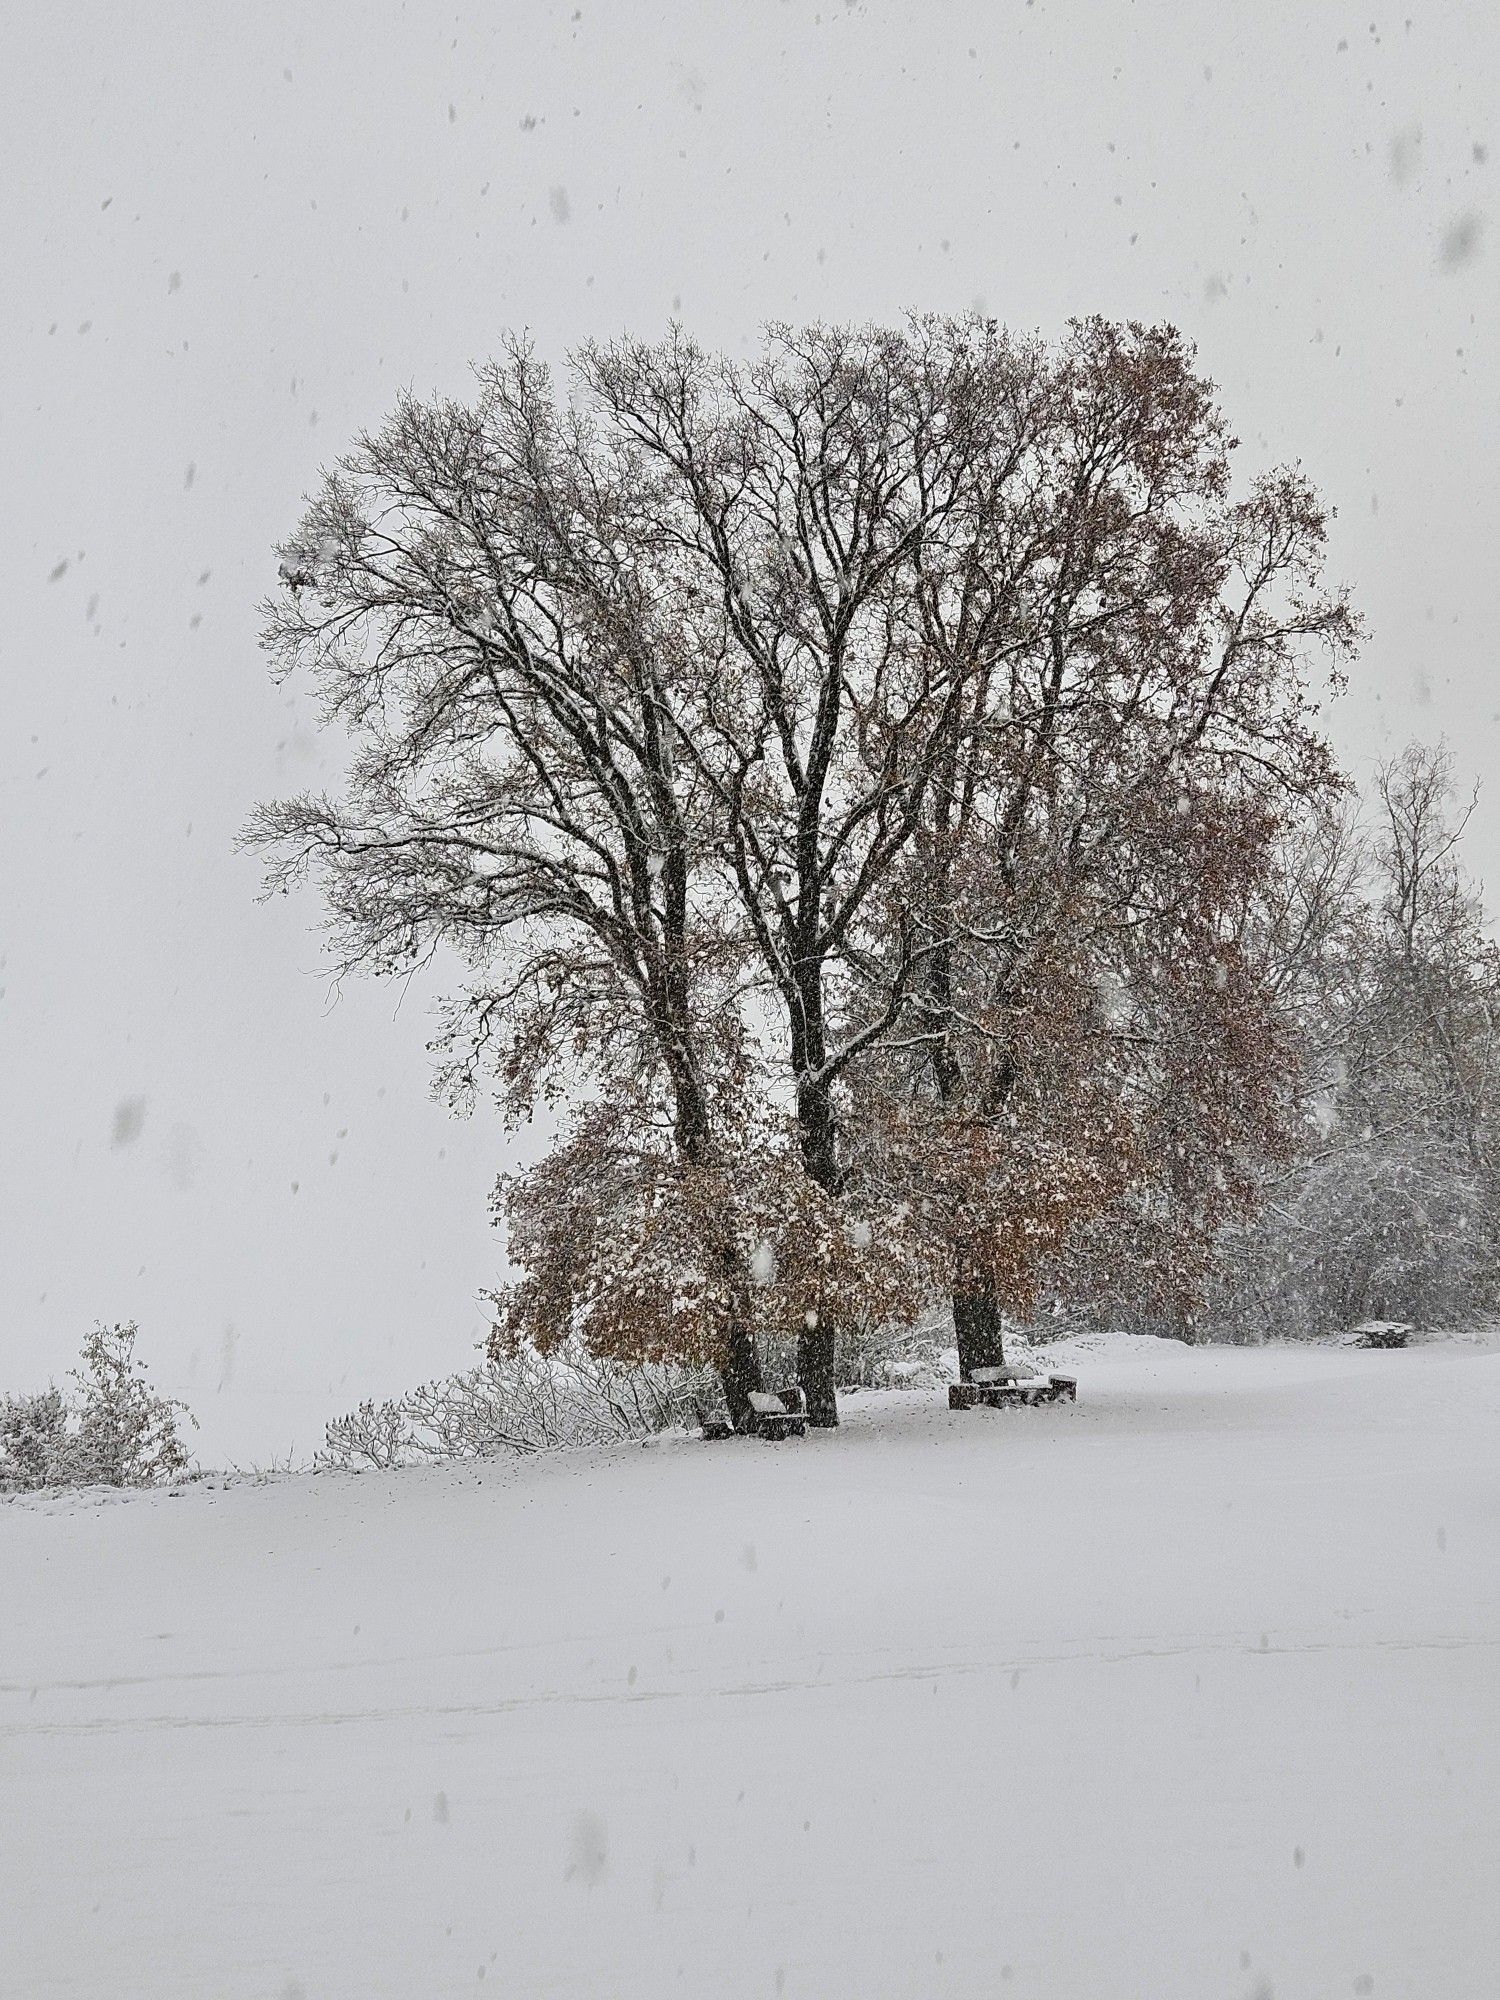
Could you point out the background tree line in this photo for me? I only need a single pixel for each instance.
(870, 790)
(1383, 958)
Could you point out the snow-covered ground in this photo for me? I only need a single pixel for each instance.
(1191, 1690)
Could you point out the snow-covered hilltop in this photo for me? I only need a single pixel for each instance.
(1185, 1690)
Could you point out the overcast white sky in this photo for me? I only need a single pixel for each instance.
(232, 233)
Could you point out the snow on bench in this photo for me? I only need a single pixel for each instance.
(778, 1413)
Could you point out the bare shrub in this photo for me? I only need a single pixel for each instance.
(518, 1401)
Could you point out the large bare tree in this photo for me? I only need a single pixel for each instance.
(780, 743)
(480, 595)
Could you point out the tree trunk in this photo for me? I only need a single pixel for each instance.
(979, 1329)
(740, 1372)
(815, 1374)
(815, 1341)
(739, 1364)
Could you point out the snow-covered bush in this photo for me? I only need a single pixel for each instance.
(33, 1438)
(126, 1435)
(114, 1430)
(896, 1357)
(518, 1401)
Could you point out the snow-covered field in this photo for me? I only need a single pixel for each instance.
(1191, 1690)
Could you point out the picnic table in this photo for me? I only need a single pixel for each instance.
(1380, 1333)
(1000, 1388)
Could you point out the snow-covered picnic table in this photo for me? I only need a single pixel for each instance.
(995, 1388)
(1380, 1333)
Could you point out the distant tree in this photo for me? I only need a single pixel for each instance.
(1423, 1054)
(1390, 1207)
(114, 1430)
(127, 1434)
(1396, 1228)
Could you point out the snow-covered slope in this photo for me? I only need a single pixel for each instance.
(1187, 1691)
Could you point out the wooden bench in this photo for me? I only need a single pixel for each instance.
(1004, 1388)
(773, 1413)
(778, 1413)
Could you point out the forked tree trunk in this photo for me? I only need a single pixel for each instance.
(979, 1329)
